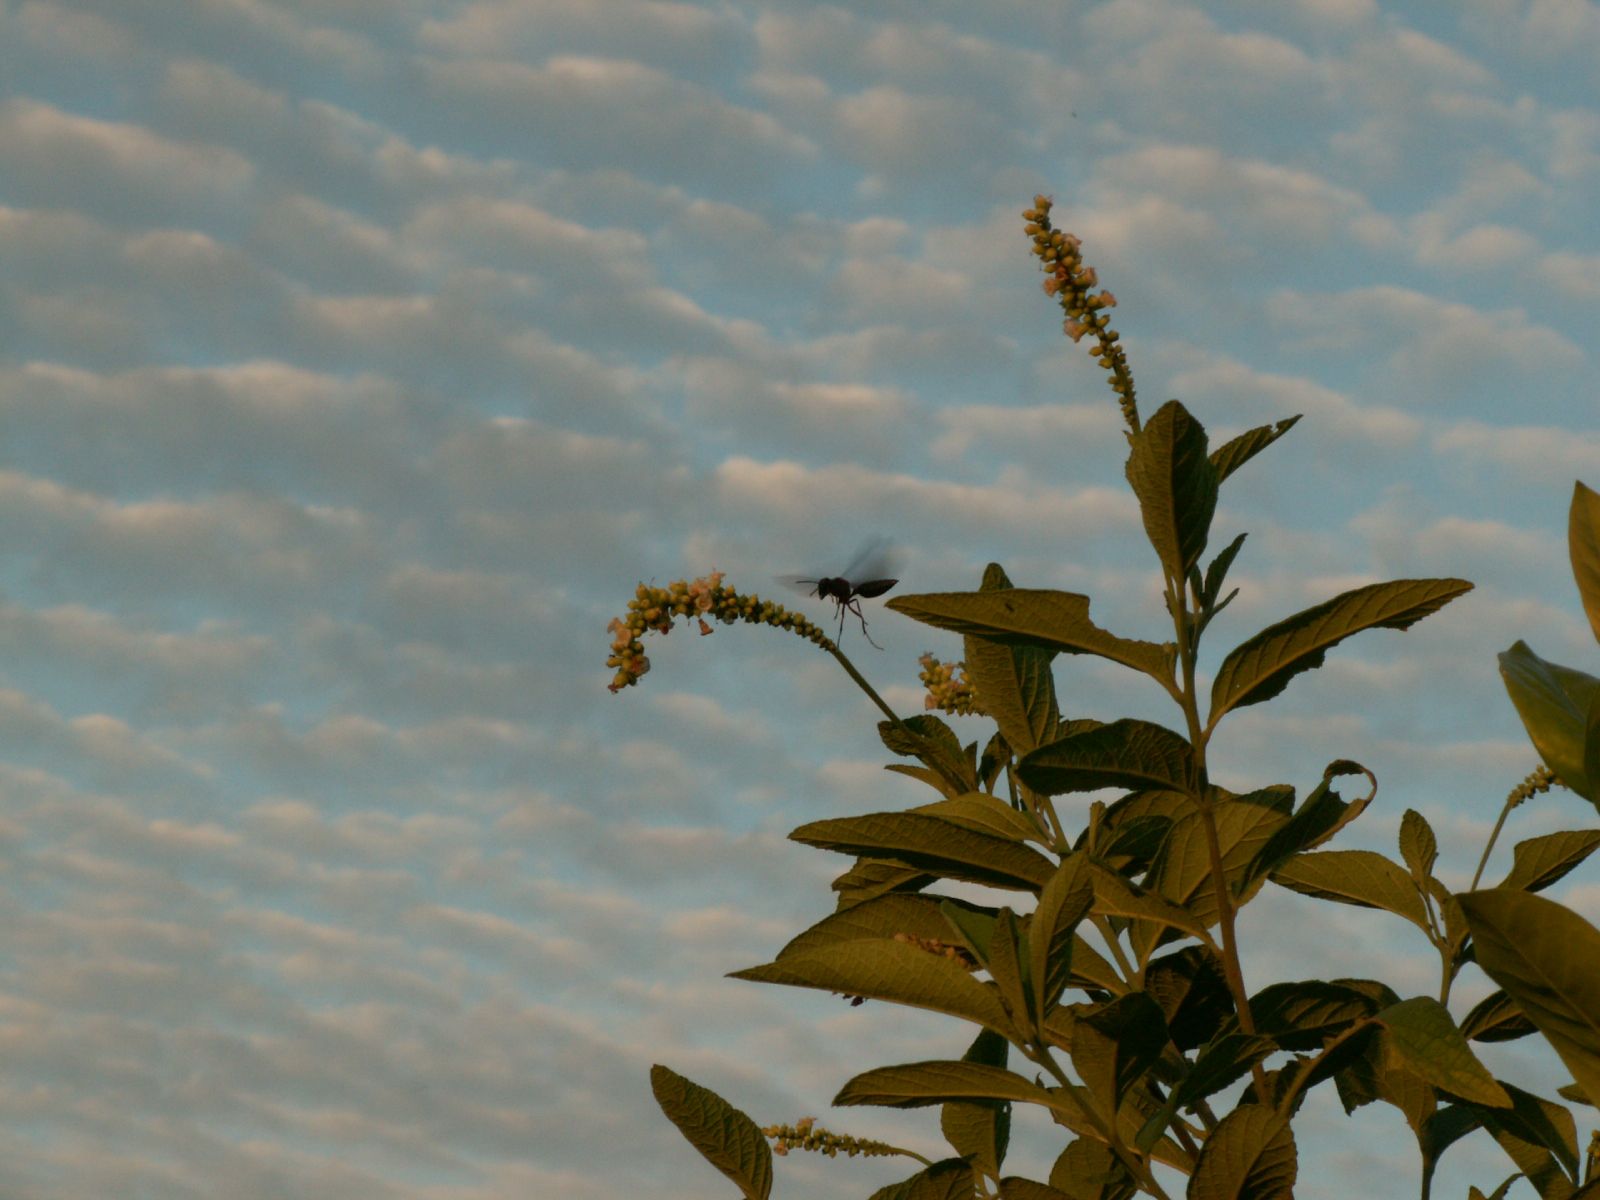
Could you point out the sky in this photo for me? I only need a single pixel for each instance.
(359, 358)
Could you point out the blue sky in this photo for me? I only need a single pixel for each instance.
(358, 358)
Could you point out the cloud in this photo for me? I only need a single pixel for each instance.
(64, 32)
(1532, 451)
(1430, 349)
(163, 547)
(1023, 431)
(597, 110)
(662, 32)
(791, 492)
(362, 358)
(754, 399)
(1263, 398)
(1259, 198)
(119, 171)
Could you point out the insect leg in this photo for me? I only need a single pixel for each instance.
(855, 607)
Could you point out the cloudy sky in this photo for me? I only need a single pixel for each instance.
(358, 358)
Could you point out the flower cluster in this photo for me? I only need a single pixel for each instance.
(1540, 780)
(1070, 281)
(654, 608)
(804, 1135)
(947, 691)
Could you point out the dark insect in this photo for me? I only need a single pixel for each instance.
(862, 579)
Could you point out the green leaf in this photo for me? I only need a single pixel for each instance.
(1288, 1086)
(1261, 667)
(1115, 896)
(881, 969)
(1555, 704)
(979, 1130)
(1444, 1128)
(1192, 991)
(1176, 485)
(1571, 1091)
(1132, 829)
(1088, 1170)
(1013, 682)
(1050, 620)
(1322, 815)
(1359, 877)
(1126, 753)
(1234, 453)
(949, 1179)
(1416, 1100)
(1217, 572)
(1583, 542)
(1065, 901)
(973, 924)
(1547, 958)
(1306, 1014)
(1091, 969)
(1014, 1187)
(1250, 1155)
(1499, 1192)
(1536, 1161)
(1427, 1043)
(1131, 845)
(934, 845)
(1539, 1122)
(1419, 848)
(1182, 870)
(1496, 1018)
(882, 917)
(934, 744)
(922, 775)
(724, 1136)
(984, 813)
(1541, 861)
(1006, 967)
(1217, 1065)
(995, 758)
(870, 878)
(1115, 1046)
(921, 1084)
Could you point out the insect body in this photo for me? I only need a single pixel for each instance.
(859, 581)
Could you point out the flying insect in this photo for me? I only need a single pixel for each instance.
(865, 578)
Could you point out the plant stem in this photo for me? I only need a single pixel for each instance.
(1137, 1168)
(866, 687)
(1539, 780)
(1231, 969)
(1114, 944)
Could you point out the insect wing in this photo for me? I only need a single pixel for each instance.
(874, 587)
(873, 563)
(806, 587)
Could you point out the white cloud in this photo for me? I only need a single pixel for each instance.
(1267, 398)
(600, 110)
(792, 493)
(61, 30)
(363, 356)
(1575, 276)
(1429, 347)
(1532, 450)
(686, 36)
(755, 399)
(113, 167)
(1014, 430)
(1259, 197)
